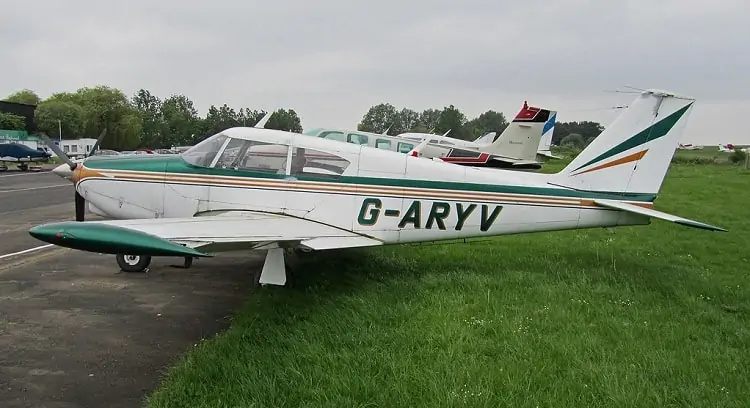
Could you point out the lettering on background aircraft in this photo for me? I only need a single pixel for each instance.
(371, 208)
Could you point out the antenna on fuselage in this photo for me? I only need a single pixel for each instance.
(385, 132)
(262, 122)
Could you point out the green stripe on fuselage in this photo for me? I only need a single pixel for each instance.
(176, 165)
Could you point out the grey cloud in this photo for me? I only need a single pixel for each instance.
(332, 59)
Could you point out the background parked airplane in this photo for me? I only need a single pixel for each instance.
(514, 149)
(484, 143)
(21, 154)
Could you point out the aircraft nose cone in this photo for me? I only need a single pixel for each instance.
(63, 171)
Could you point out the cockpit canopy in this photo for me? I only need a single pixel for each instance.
(223, 152)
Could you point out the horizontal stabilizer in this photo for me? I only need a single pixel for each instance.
(547, 153)
(525, 162)
(618, 205)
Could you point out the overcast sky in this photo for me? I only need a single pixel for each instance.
(331, 60)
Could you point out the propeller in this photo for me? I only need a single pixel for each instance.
(80, 202)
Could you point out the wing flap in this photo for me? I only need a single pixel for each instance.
(648, 212)
(245, 227)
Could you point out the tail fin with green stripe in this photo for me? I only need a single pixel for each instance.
(632, 154)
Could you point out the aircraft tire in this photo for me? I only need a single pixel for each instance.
(133, 263)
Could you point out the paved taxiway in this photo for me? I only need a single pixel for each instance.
(74, 332)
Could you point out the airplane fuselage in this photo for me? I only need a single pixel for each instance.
(393, 203)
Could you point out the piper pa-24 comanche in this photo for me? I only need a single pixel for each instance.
(263, 189)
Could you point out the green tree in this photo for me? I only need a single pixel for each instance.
(587, 129)
(55, 114)
(381, 117)
(428, 120)
(218, 119)
(9, 121)
(248, 117)
(148, 108)
(283, 119)
(26, 96)
(408, 119)
(490, 121)
(454, 120)
(181, 124)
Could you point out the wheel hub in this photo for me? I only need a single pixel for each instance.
(132, 259)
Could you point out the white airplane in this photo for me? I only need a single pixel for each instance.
(484, 143)
(728, 148)
(276, 191)
(515, 148)
(689, 146)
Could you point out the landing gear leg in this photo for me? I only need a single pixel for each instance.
(133, 263)
(276, 271)
(187, 264)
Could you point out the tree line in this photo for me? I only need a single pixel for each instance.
(385, 117)
(145, 120)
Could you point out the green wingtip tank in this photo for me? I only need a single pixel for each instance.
(109, 239)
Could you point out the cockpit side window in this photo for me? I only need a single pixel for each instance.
(203, 153)
(231, 155)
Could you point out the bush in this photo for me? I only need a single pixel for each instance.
(738, 156)
(573, 140)
(693, 160)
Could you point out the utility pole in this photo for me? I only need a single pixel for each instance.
(59, 132)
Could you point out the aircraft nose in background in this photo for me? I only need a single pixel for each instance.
(63, 171)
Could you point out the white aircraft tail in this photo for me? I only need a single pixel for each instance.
(547, 131)
(521, 138)
(632, 155)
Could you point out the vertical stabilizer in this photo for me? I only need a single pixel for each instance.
(632, 155)
(521, 138)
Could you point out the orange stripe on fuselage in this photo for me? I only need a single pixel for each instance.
(627, 159)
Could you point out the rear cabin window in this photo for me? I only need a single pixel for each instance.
(383, 144)
(263, 157)
(405, 147)
(356, 138)
(315, 163)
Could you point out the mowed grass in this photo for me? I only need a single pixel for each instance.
(649, 316)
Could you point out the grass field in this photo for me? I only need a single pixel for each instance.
(651, 316)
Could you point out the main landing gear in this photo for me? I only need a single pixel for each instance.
(140, 263)
(276, 267)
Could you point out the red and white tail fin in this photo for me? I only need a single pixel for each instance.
(520, 140)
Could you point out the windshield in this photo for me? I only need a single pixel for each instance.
(204, 152)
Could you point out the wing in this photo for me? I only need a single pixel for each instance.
(194, 236)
